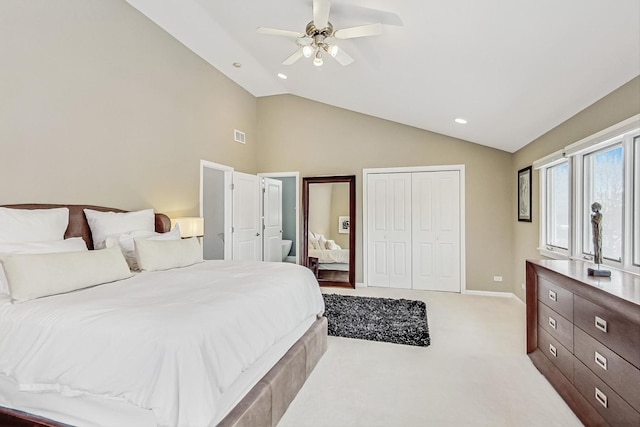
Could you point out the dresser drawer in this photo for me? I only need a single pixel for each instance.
(614, 331)
(556, 352)
(557, 326)
(619, 374)
(556, 298)
(609, 404)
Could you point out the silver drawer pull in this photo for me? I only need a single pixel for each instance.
(552, 322)
(601, 324)
(600, 360)
(601, 397)
(553, 350)
(553, 296)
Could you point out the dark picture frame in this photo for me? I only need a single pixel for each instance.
(524, 194)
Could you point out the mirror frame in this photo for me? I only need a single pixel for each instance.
(351, 180)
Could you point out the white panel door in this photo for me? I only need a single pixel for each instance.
(377, 232)
(389, 230)
(436, 230)
(272, 219)
(247, 243)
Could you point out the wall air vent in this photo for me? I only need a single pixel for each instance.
(239, 136)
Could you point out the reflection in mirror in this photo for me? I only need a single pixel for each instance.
(329, 236)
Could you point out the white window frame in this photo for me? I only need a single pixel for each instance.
(625, 134)
(546, 248)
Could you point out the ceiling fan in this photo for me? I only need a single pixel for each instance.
(318, 37)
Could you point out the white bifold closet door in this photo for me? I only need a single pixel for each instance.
(436, 230)
(413, 230)
(389, 230)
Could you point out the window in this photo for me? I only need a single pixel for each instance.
(603, 168)
(558, 205)
(604, 183)
(636, 202)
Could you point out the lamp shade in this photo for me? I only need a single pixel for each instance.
(190, 226)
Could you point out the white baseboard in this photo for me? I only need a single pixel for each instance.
(490, 294)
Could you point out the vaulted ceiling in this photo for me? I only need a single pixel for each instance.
(512, 69)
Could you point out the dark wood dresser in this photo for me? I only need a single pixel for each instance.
(583, 335)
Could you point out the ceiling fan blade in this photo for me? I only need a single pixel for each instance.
(361, 31)
(343, 57)
(275, 32)
(321, 13)
(293, 58)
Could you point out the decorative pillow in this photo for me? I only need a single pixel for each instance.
(74, 244)
(33, 225)
(103, 224)
(322, 241)
(332, 245)
(125, 242)
(33, 276)
(313, 241)
(166, 254)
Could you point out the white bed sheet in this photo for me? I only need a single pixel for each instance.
(326, 256)
(135, 340)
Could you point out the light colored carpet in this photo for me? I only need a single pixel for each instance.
(475, 373)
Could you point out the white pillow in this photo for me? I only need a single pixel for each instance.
(74, 244)
(322, 241)
(103, 224)
(33, 225)
(125, 242)
(33, 276)
(332, 245)
(166, 254)
(313, 241)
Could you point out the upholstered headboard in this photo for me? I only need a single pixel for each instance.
(78, 226)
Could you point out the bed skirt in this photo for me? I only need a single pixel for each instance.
(265, 403)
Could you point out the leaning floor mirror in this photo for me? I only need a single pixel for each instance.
(329, 235)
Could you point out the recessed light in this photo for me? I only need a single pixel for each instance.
(460, 121)
(282, 76)
(237, 64)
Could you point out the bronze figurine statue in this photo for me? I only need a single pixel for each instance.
(596, 228)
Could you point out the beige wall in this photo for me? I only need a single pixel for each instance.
(339, 207)
(99, 105)
(317, 139)
(615, 107)
(320, 208)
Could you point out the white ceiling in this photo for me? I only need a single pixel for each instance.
(513, 68)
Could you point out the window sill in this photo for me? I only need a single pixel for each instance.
(553, 254)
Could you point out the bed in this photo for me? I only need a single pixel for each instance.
(163, 366)
(331, 259)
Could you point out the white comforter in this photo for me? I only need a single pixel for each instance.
(326, 256)
(168, 341)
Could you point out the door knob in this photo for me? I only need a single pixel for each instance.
(257, 234)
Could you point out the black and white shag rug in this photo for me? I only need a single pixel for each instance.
(398, 321)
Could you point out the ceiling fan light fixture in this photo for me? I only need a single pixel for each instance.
(317, 61)
(307, 51)
(333, 50)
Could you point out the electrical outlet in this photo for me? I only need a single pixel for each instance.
(497, 278)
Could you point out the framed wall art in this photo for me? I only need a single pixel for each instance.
(343, 224)
(524, 194)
